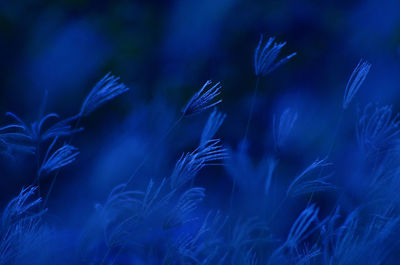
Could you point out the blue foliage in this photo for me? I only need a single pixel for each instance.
(149, 183)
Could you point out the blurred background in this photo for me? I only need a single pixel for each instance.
(164, 51)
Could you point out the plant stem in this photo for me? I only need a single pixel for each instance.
(253, 102)
(152, 150)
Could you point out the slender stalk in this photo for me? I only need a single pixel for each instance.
(246, 132)
(232, 193)
(53, 181)
(106, 255)
(338, 125)
(253, 102)
(277, 210)
(152, 150)
(331, 146)
(40, 115)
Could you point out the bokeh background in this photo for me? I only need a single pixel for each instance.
(164, 51)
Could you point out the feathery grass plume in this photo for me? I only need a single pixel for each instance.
(189, 164)
(214, 122)
(202, 246)
(304, 256)
(246, 234)
(328, 233)
(7, 147)
(308, 256)
(60, 128)
(265, 56)
(283, 126)
(377, 127)
(301, 257)
(365, 241)
(12, 132)
(212, 241)
(251, 258)
(63, 156)
(27, 137)
(22, 207)
(204, 99)
(345, 238)
(186, 248)
(153, 200)
(125, 210)
(300, 228)
(355, 81)
(20, 226)
(307, 183)
(106, 89)
(187, 203)
(384, 181)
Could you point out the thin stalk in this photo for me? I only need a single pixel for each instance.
(40, 115)
(152, 150)
(53, 181)
(253, 102)
(338, 125)
(246, 132)
(232, 193)
(277, 210)
(105, 255)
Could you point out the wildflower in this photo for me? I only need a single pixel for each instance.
(106, 89)
(377, 127)
(356, 79)
(61, 157)
(305, 183)
(203, 99)
(265, 56)
(213, 123)
(281, 129)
